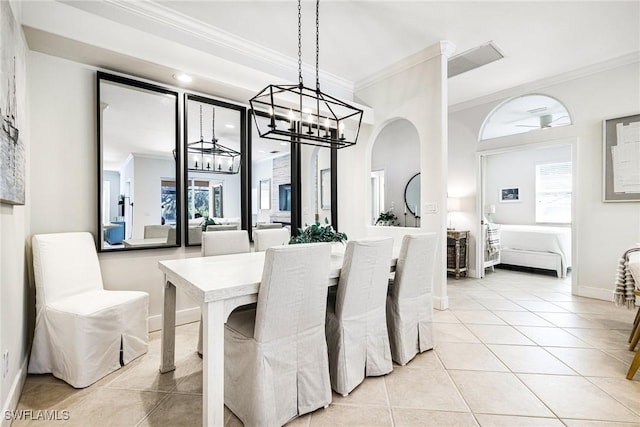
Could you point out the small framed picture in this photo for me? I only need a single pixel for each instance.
(509, 195)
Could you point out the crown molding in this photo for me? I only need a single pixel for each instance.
(165, 16)
(537, 85)
(443, 48)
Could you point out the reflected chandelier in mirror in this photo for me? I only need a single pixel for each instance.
(215, 176)
(138, 185)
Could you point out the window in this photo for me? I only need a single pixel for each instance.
(553, 193)
(168, 201)
(205, 198)
(523, 114)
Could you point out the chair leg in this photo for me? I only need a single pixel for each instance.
(636, 323)
(635, 364)
(635, 339)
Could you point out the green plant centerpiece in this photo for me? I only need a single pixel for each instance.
(317, 232)
(387, 218)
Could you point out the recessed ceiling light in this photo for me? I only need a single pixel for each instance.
(181, 77)
(229, 125)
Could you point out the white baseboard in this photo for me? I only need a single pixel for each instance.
(440, 303)
(184, 316)
(473, 274)
(14, 394)
(597, 293)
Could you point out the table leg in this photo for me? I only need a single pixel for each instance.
(168, 343)
(213, 319)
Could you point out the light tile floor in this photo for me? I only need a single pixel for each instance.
(514, 349)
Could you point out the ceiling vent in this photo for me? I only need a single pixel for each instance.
(473, 58)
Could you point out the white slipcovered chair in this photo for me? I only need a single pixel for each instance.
(267, 238)
(223, 242)
(409, 304)
(356, 323)
(155, 231)
(83, 332)
(276, 364)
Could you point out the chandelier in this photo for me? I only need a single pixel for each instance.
(303, 115)
(209, 156)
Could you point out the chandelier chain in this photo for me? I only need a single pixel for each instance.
(201, 134)
(213, 126)
(300, 42)
(317, 45)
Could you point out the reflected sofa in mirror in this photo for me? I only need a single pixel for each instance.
(138, 184)
(214, 158)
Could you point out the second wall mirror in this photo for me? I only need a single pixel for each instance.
(214, 172)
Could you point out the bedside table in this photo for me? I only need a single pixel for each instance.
(457, 250)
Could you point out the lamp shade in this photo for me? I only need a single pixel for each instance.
(453, 204)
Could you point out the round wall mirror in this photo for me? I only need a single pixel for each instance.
(412, 195)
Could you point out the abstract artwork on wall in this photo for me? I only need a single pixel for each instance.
(621, 159)
(12, 150)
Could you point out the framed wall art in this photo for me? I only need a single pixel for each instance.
(621, 159)
(509, 195)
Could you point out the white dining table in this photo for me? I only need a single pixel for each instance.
(220, 284)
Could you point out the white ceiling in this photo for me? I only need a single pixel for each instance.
(539, 39)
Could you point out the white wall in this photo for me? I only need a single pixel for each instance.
(64, 198)
(603, 230)
(397, 151)
(16, 293)
(148, 173)
(417, 92)
(518, 169)
(260, 171)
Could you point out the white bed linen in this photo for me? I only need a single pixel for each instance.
(538, 238)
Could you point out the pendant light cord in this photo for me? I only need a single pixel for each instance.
(213, 126)
(201, 136)
(300, 43)
(317, 45)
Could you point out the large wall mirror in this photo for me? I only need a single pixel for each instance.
(301, 180)
(138, 184)
(395, 182)
(214, 159)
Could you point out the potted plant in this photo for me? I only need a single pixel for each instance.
(318, 233)
(387, 218)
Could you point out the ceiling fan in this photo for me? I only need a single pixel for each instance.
(546, 121)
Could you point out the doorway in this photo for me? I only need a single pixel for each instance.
(528, 193)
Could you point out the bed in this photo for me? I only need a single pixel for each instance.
(536, 246)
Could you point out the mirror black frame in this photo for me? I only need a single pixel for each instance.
(296, 181)
(245, 159)
(103, 76)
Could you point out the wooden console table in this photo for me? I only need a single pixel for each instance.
(457, 252)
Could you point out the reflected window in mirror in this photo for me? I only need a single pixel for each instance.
(214, 155)
(137, 156)
(395, 160)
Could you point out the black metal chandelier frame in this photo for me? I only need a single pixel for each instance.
(212, 156)
(303, 115)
